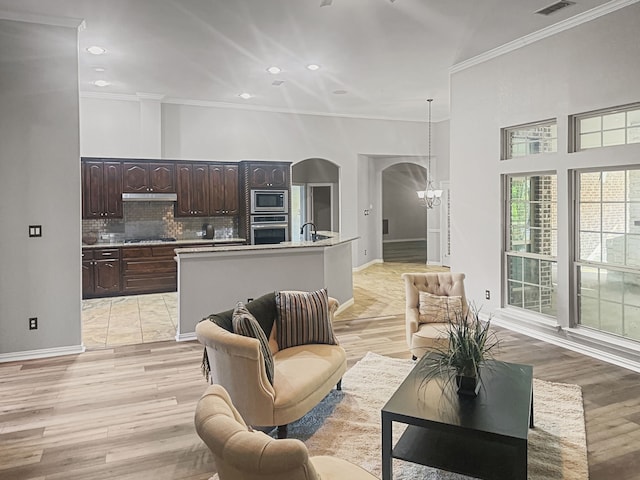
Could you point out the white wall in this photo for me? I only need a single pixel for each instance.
(39, 184)
(110, 128)
(591, 66)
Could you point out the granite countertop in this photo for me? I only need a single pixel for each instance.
(175, 243)
(333, 238)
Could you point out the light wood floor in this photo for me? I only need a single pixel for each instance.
(127, 412)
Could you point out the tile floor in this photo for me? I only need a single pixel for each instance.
(378, 291)
(128, 320)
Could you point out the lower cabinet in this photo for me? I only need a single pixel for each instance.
(100, 272)
(107, 272)
(149, 269)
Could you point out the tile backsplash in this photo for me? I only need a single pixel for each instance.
(156, 219)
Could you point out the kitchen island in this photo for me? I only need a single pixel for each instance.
(213, 279)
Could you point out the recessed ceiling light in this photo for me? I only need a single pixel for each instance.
(95, 50)
(245, 95)
(101, 83)
(274, 70)
(339, 92)
(313, 67)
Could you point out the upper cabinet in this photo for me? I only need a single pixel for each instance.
(148, 177)
(269, 175)
(101, 189)
(192, 189)
(223, 189)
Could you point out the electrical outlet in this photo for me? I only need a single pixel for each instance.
(365, 252)
(33, 323)
(487, 294)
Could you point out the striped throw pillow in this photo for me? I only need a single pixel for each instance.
(303, 318)
(439, 309)
(244, 323)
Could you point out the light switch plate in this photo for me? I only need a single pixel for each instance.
(35, 230)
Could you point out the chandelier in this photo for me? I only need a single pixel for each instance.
(429, 197)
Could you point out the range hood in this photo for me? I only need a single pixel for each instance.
(149, 197)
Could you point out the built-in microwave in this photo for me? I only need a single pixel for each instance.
(269, 201)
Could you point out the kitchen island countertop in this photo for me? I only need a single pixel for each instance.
(334, 238)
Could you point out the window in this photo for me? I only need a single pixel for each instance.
(531, 244)
(604, 128)
(608, 251)
(530, 139)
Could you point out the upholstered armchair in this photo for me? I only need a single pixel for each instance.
(242, 454)
(424, 334)
(303, 376)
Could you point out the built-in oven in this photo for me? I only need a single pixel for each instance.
(269, 201)
(269, 229)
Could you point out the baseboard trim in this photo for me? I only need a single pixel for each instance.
(359, 268)
(186, 337)
(41, 353)
(398, 240)
(344, 306)
(570, 343)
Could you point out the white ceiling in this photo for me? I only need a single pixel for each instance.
(389, 57)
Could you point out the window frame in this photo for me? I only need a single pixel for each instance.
(508, 253)
(578, 263)
(505, 144)
(575, 119)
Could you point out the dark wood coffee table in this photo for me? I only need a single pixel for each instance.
(484, 437)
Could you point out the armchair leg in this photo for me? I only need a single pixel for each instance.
(282, 431)
(339, 385)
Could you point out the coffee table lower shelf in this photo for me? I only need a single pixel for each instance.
(467, 455)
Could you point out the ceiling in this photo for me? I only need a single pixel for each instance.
(388, 56)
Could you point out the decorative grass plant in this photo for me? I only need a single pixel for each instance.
(471, 344)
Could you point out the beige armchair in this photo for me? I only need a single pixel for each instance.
(242, 454)
(425, 336)
(304, 375)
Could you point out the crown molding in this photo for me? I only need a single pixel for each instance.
(232, 106)
(127, 97)
(260, 108)
(150, 96)
(43, 19)
(549, 31)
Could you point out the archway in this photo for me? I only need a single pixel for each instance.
(315, 194)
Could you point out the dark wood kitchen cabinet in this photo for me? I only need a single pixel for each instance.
(192, 190)
(148, 177)
(223, 189)
(268, 175)
(100, 272)
(101, 189)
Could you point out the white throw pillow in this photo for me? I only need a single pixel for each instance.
(439, 309)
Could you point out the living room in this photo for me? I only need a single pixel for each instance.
(545, 77)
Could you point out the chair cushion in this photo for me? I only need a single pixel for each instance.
(430, 336)
(303, 318)
(439, 309)
(332, 468)
(244, 323)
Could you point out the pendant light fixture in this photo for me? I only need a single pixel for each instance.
(429, 197)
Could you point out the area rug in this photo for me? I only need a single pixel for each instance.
(346, 424)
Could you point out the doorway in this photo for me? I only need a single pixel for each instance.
(404, 220)
(320, 205)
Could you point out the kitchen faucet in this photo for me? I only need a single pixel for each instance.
(314, 232)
